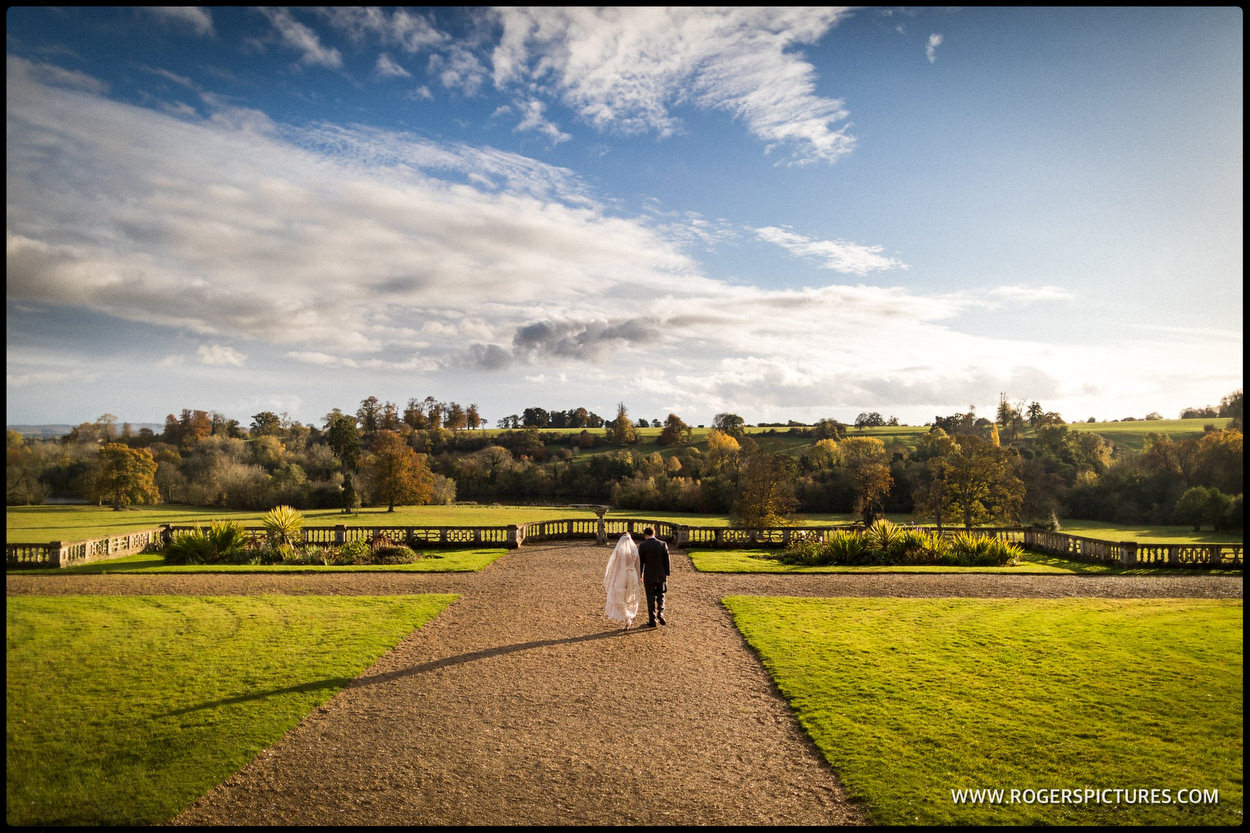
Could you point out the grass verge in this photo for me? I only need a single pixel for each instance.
(124, 710)
(911, 699)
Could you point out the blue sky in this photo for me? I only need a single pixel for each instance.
(780, 213)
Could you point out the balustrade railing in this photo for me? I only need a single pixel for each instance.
(59, 554)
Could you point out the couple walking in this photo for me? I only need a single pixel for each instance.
(629, 566)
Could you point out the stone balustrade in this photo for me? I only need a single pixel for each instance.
(60, 554)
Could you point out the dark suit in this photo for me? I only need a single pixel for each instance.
(653, 562)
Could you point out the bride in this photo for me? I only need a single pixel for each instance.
(621, 582)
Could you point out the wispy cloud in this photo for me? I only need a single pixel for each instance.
(626, 69)
(930, 50)
(302, 39)
(386, 67)
(837, 255)
(198, 20)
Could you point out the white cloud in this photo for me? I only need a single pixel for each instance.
(930, 49)
(302, 39)
(837, 255)
(626, 68)
(220, 355)
(533, 120)
(393, 28)
(386, 67)
(199, 21)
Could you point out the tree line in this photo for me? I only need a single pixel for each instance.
(1026, 465)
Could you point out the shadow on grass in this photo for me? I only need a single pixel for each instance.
(337, 683)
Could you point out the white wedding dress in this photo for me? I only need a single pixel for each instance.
(621, 582)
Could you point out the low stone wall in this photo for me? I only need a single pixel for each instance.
(1131, 553)
(58, 554)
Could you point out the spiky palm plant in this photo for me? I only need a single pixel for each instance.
(283, 525)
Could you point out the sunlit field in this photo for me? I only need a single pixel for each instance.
(911, 700)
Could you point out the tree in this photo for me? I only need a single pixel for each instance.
(675, 431)
(975, 481)
(266, 424)
(828, 429)
(1221, 463)
(127, 476)
(537, 417)
(456, 418)
(620, 430)
(1202, 504)
(731, 424)
(344, 440)
(765, 491)
(869, 420)
(1231, 407)
(398, 475)
(931, 495)
(722, 449)
(369, 415)
(868, 465)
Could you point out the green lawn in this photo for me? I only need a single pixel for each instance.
(912, 699)
(122, 710)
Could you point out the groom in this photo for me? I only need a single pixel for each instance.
(653, 563)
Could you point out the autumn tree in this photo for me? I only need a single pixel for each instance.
(866, 462)
(930, 497)
(126, 476)
(765, 490)
(675, 431)
(397, 474)
(975, 481)
(621, 430)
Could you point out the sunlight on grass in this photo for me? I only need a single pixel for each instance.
(910, 699)
(123, 710)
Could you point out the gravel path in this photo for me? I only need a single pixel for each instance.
(521, 704)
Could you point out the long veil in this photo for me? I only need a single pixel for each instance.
(620, 580)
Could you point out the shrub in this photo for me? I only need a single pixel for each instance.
(395, 555)
(354, 552)
(283, 524)
(979, 551)
(223, 542)
(885, 543)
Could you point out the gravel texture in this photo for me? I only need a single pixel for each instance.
(522, 704)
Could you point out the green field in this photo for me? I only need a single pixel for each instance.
(912, 699)
(122, 710)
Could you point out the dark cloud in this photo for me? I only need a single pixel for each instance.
(489, 357)
(580, 341)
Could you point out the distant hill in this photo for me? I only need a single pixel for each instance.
(52, 432)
